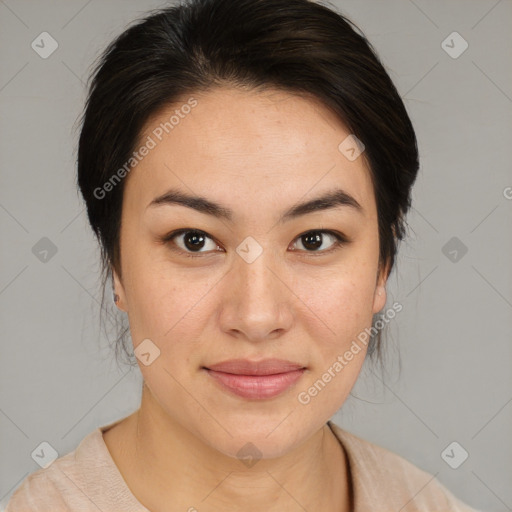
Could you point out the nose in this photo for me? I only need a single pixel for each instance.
(258, 301)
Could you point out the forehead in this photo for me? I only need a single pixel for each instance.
(247, 145)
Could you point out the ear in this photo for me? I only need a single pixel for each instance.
(380, 294)
(118, 289)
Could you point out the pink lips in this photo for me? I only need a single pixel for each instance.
(256, 380)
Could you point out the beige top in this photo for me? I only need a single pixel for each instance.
(87, 480)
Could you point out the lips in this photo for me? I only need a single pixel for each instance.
(264, 367)
(256, 379)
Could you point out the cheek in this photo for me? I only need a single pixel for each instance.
(165, 304)
(172, 306)
(340, 299)
(342, 311)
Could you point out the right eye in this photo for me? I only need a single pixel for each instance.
(189, 241)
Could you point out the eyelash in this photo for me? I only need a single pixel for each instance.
(340, 240)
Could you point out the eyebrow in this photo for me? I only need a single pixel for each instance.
(332, 199)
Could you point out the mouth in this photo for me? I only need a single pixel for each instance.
(256, 380)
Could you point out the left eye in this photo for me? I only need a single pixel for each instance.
(192, 241)
(313, 240)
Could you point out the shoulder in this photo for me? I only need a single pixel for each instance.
(85, 479)
(46, 488)
(381, 477)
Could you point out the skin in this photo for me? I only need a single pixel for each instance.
(257, 153)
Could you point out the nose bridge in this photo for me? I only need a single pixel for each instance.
(259, 300)
(255, 269)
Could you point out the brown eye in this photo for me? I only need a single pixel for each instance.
(315, 241)
(191, 241)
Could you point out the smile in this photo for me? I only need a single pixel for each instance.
(256, 380)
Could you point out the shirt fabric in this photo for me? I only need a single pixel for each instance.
(88, 480)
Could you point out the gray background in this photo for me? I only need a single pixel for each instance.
(58, 377)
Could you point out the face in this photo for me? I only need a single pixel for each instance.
(245, 273)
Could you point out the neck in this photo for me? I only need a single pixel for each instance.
(171, 465)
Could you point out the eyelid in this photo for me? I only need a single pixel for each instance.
(167, 239)
(340, 240)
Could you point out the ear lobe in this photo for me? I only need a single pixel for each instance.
(379, 298)
(118, 292)
(380, 294)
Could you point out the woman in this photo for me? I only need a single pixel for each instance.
(247, 167)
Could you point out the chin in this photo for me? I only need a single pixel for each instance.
(265, 437)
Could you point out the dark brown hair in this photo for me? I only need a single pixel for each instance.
(298, 46)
